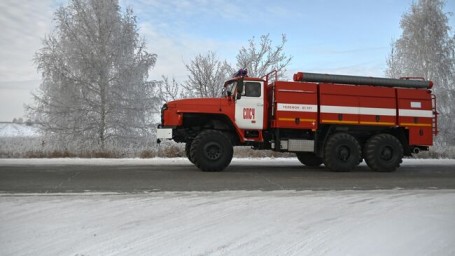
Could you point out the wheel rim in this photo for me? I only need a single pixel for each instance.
(386, 153)
(343, 153)
(212, 151)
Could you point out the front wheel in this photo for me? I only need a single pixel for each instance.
(211, 151)
(188, 151)
(383, 153)
(309, 159)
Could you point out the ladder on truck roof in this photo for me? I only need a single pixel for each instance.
(435, 115)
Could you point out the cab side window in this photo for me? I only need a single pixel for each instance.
(252, 89)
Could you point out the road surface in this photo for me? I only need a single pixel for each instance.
(179, 175)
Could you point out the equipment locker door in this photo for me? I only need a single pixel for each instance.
(249, 109)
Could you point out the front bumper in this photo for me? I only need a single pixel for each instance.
(163, 134)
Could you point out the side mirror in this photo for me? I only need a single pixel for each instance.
(240, 86)
(239, 95)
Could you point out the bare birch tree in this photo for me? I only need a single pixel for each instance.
(94, 69)
(426, 49)
(261, 58)
(207, 76)
(169, 90)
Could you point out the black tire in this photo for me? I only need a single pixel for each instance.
(383, 153)
(309, 159)
(342, 152)
(211, 151)
(188, 150)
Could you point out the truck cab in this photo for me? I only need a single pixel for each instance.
(241, 110)
(237, 117)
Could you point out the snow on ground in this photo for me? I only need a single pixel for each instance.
(185, 161)
(386, 222)
(394, 222)
(17, 130)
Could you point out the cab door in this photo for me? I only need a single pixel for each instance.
(249, 108)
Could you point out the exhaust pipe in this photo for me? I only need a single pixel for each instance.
(416, 150)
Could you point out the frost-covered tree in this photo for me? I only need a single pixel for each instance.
(426, 49)
(94, 69)
(169, 90)
(261, 58)
(207, 75)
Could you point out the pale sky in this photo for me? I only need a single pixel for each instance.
(327, 36)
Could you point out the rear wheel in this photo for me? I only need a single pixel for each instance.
(309, 159)
(211, 151)
(383, 153)
(342, 152)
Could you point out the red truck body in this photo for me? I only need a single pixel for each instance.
(330, 119)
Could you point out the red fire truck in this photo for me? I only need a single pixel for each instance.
(334, 120)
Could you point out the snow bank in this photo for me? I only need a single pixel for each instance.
(230, 223)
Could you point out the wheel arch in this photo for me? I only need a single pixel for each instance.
(402, 135)
(194, 123)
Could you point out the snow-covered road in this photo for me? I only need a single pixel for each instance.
(390, 222)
